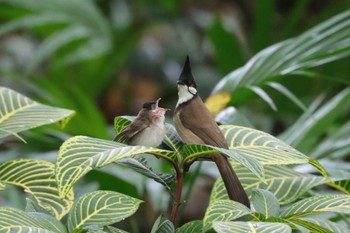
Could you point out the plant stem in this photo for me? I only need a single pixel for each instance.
(179, 184)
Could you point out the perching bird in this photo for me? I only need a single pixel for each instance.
(148, 129)
(195, 125)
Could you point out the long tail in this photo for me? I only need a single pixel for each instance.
(233, 185)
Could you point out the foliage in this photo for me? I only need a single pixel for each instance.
(290, 178)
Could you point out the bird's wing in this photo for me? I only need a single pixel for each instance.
(197, 118)
(129, 132)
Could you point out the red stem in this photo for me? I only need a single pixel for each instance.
(179, 183)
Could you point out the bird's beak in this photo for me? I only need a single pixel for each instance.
(180, 82)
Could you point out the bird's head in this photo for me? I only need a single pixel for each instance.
(186, 86)
(154, 109)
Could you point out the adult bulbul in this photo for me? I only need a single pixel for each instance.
(148, 129)
(195, 125)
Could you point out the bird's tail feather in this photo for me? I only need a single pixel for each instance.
(233, 186)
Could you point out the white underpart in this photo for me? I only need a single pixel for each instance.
(153, 135)
(185, 93)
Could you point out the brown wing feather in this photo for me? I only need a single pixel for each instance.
(129, 132)
(200, 122)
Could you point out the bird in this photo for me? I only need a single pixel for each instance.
(195, 125)
(148, 129)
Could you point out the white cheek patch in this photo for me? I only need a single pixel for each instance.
(185, 93)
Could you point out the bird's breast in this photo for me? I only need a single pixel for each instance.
(152, 135)
(187, 135)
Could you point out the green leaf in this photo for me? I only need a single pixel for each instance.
(193, 151)
(317, 204)
(162, 225)
(287, 185)
(313, 122)
(256, 227)
(228, 52)
(341, 180)
(310, 226)
(332, 226)
(265, 203)
(140, 165)
(336, 145)
(191, 227)
(19, 113)
(264, 20)
(324, 43)
(37, 177)
(14, 220)
(122, 122)
(282, 89)
(261, 146)
(223, 210)
(101, 208)
(78, 155)
(263, 95)
(97, 30)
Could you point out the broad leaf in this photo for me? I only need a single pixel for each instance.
(287, 185)
(78, 155)
(37, 177)
(223, 210)
(265, 203)
(15, 220)
(317, 204)
(140, 165)
(261, 146)
(19, 113)
(191, 227)
(324, 43)
(256, 227)
(163, 225)
(336, 145)
(193, 151)
(312, 227)
(87, 25)
(332, 226)
(341, 180)
(314, 121)
(101, 208)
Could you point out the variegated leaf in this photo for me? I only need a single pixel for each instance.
(223, 210)
(317, 204)
(19, 113)
(265, 203)
(37, 177)
(287, 185)
(80, 154)
(101, 208)
(256, 227)
(15, 220)
(193, 151)
(191, 227)
(332, 226)
(312, 227)
(261, 146)
(140, 165)
(163, 225)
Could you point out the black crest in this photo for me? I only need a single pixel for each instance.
(186, 76)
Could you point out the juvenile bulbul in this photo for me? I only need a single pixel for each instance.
(148, 129)
(195, 125)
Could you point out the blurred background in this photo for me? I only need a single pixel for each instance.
(104, 58)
